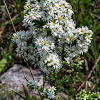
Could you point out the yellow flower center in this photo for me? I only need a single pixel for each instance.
(26, 4)
(53, 4)
(55, 63)
(54, 30)
(61, 5)
(60, 17)
(15, 37)
(51, 60)
(44, 42)
(76, 48)
(50, 8)
(82, 30)
(53, 20)
(70, 37)
(54, 23)
(34, 14)
(22, 40)
(70, 27)
(69, 7)
(71, 51)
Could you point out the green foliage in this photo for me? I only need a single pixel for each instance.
(6, 58)
(82, 9)
(19, 4)
(67, 77)
(83, 95)
(19, 7)
(15, 7)
(74, 70)
(56, 80)
(87, 14)
(39, 23)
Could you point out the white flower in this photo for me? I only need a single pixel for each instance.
(34, 15)
(53, 60)
(44, 44)
(68, 60)
(32, 84)
(52, 88)
(50, 92)
(88, 38)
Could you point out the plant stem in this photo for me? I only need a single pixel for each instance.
(18, 94)
(79, 78)
(9, 16)
(29, 69)
(44, 79)
(33, 79)
(96, 77)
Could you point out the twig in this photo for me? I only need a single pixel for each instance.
(86, 85)
(86, 64)
(40, 95)
(29, 69)
(88, 75)
(33, 79)
(25, 77)
(18, 93)
(92, 14)
(44, 80)
(9, 16)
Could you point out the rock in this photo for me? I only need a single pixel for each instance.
(14, 78)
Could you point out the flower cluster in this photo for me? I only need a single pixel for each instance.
(50, 92)
(52, 36)
(32, 84)
(47, 93)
